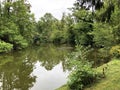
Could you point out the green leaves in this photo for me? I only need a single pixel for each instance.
(52, 30)
(102, 33)
(81, 31)
(17, 25)
(5, 47)
(82, 72)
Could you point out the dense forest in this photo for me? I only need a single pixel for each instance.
(17, 25)
(94, 23)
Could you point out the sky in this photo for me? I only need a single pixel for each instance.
(55, 7)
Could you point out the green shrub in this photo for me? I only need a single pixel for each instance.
(115, 51)
(10, 33)
(18, 42)
(5, 47)
(104, 55)
(58, 37)
(81, 76)
(82, 72)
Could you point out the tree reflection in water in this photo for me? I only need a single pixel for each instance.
(15, 73)
(16, 68)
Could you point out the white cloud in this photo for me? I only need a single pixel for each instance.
(56, 7)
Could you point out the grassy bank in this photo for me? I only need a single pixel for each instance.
(64, 87)
(111, 80)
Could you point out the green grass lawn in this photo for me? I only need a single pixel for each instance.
(111, 80)
(64, 87)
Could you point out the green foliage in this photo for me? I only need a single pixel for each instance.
(10, 33)
(81, 77)
(116, 33)
(82, 36)
(24, 20)
(104, 14)
(17, 25)
(115, 51)
(19, 42)
(83, 15)
(88, 4)
(103, 55)
(52, 30)
(82, 72)
(103, 36)
(46, 26)
(83, 26)
(99, 26)
(5, 47)
(107, 24)
(115, 23)
(57, 37)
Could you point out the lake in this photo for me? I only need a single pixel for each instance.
(35, 68)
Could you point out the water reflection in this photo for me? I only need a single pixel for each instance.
(36, 68)
(15, 73)
(49, 80)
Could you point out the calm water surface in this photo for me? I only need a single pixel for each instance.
(36, 68)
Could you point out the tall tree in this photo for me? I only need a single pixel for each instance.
(46, 26)
(17, 25)
(83, 18)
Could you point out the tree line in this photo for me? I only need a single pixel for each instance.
(92, 22)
